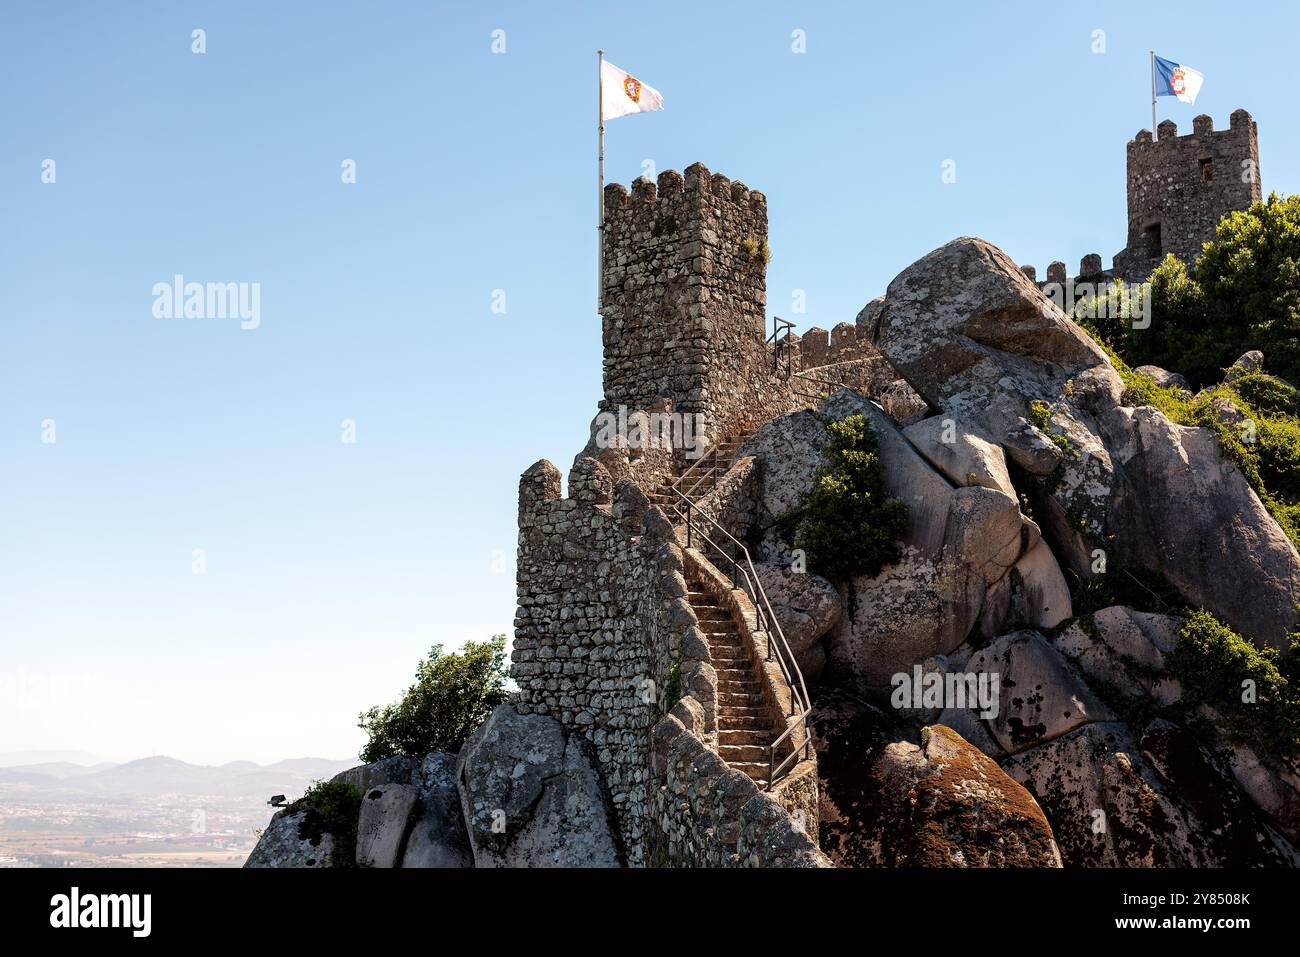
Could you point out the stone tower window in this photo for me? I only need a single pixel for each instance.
(1207, 170)
(1152, 240)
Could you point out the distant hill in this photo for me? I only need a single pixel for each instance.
(13, 759)
(60, 769)
(164, 775)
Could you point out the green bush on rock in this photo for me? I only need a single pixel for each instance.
(849, 525)
(1254, 689)
(334, 808)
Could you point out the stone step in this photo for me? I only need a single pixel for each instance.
(757, 770)
(736, 676)
(750, 722)
(711, 614)
(745, 684)
(762, 737)
(760, 725)
(743, 712)
(736, 695)
(734, 669)
(739, 753)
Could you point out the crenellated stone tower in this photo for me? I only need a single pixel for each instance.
(684, 300)
(1179, 187)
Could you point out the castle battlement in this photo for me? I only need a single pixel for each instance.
(671, 185)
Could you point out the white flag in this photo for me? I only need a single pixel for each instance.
(621, 93)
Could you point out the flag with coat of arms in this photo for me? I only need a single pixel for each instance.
(1174, 79)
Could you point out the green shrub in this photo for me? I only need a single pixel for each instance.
(1269, 395)
(850, 526)
(330, 807)
(1250, 276)
(1211, 662)
(453, 694)
(1243, 293)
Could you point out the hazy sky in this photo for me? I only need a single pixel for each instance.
(331, 567)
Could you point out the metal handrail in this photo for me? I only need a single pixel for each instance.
(780, 339)
(800, 702)
(829, 380)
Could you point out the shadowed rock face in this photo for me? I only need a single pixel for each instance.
(438, 837)
(848, 733)
(1159, 802)
(890, 803)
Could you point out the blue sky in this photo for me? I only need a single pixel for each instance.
(332, 567)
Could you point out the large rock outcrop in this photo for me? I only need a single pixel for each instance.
(806, 605)
(1118, 802)
(983, 345)
(946, 804)
(1041, 694)
(410, 816)
(1123, 650)
(381, 829)
(532, 796)
(1181, 509)
(963, 562)
(979, 341)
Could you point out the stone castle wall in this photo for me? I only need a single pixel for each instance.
(580, 652)
(603, 628)
(1179, 187)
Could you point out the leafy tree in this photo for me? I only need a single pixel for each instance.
(850, 526)
(1250, 276)
(453, 694)
(1243, 293)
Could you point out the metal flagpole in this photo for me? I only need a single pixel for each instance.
(1153, 94)
(600, 193)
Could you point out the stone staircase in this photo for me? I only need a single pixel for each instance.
(746, 728)
(699, 482)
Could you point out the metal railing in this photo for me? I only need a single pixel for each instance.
(745, 577)
(781, 345)
(821, 382)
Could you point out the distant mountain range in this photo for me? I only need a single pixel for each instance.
(163, 775)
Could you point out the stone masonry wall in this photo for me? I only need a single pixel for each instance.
(585, 606)
(1185, 185)
(603, 628)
